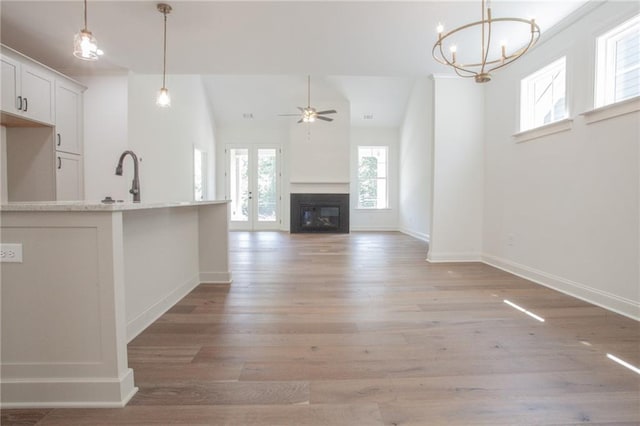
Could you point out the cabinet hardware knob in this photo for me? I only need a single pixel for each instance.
(59, 163)
(26, 104)
(19, 103)
(59, 140)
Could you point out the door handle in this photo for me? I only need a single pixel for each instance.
(59, 163)
(26, 104)
(19, 103)
(59, 140)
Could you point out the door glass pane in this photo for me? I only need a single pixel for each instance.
(239, 184)
(267, 181)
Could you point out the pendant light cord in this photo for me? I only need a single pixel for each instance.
(85, 15)
(164, 63)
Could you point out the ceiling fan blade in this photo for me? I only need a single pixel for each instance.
(301, 109)
(329, 111)
(299, 121)
(319, 117)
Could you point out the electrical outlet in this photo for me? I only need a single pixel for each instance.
(11, 253)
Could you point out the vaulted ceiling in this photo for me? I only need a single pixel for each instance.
(252, 55)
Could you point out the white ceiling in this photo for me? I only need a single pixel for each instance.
(254, 56)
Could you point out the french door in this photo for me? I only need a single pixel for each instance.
(253, 186)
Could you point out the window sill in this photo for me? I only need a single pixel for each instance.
(546, 130)
(612, 110)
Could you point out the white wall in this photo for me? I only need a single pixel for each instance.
(416, 163)
(319, 152)
(165, 137)
(105, 136)
(456, 219)
(375, 219)
(120, 114)
(4, 192)
(564, 209)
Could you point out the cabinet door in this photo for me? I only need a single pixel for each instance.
(9, 90)
(37, 94)
(68, 118)
(69, 184)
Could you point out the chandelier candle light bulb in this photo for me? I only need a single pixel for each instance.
(480, 68)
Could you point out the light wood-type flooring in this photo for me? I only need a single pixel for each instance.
(360, 330)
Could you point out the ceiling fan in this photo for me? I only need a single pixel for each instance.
(309, 114)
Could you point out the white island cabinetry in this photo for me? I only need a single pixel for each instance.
(92, 277)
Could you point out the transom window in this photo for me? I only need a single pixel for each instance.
(543, 95)
(618, 63)
(372, 177)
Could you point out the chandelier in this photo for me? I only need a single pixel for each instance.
(481, 67)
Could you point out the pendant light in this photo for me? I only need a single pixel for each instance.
(163, 99)
(85, 45)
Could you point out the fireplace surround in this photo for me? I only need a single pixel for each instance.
(322, 213)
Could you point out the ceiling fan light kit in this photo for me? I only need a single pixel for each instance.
(481, 69)
(310, 114)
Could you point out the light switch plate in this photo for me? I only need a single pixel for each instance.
(10, 252)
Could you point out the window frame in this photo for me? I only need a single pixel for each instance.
(204, 174)
(386, 149)
(605, 53)
(527, 96)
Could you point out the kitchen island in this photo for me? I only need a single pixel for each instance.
(92, 277)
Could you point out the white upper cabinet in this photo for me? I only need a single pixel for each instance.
(37, 94)
(68, 117)
(27, 89)
(10, 78)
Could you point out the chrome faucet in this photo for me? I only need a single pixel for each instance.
(135, 185)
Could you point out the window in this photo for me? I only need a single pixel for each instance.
(543, 95)
(618, 64)
(199, 174)
(372, 177)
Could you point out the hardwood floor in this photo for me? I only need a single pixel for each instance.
(359, 330)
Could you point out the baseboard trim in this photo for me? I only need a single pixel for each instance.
(372, 229)
(215, 278)
(155, 311)
(609, 301)
(453, 257)
(415, 234)
(68, 392)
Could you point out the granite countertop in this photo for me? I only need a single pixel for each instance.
(97, 206)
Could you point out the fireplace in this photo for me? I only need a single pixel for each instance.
(320, 213)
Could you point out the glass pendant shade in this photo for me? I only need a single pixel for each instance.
(163, 99)
(85, 46)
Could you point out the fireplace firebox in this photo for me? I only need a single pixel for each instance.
(320, 213)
